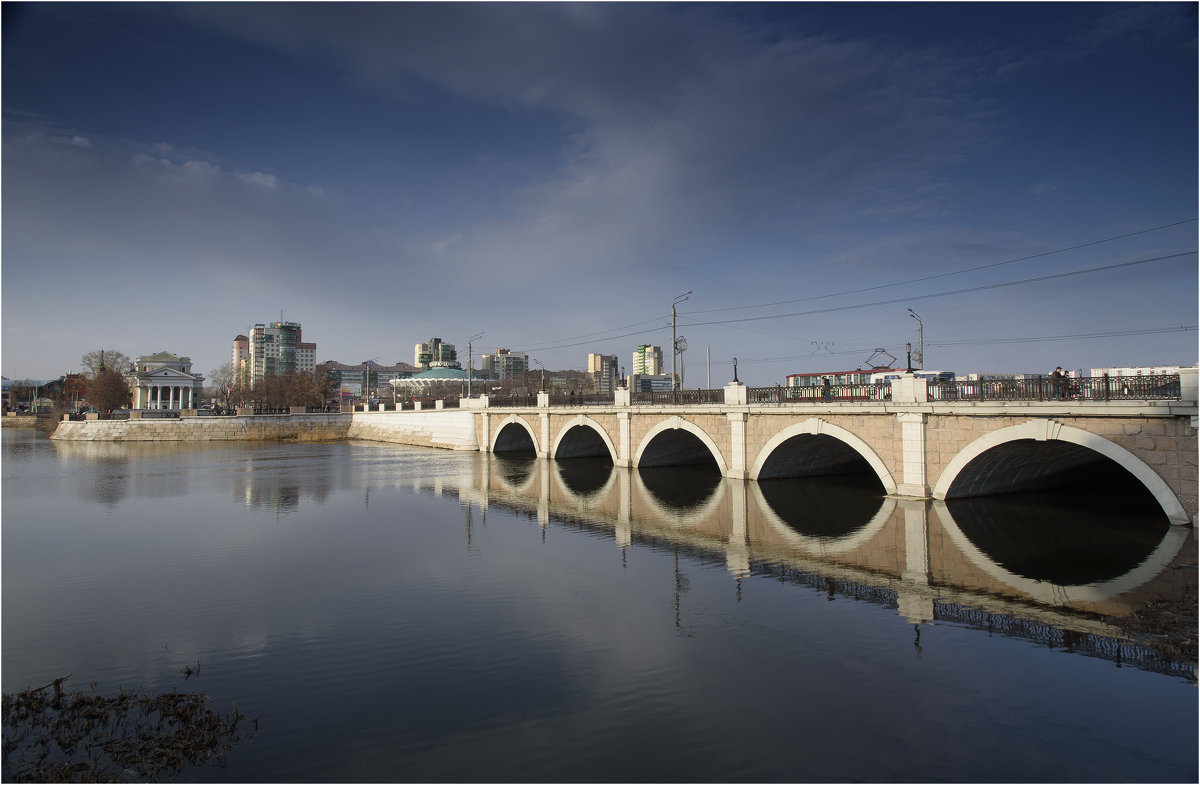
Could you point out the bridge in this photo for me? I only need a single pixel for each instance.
(918, 440)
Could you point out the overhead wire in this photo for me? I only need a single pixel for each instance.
(952, 272)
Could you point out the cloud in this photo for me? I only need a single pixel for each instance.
(260, 178)
(698, 122)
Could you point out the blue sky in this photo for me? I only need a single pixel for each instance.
(1023, 176)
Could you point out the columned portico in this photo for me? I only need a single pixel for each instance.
(165, 381)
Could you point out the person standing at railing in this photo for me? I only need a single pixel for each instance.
(1058, 383)
(826, 389)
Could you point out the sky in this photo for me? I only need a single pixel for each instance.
(1023, 177)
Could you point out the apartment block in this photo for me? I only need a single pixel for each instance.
(647, 360)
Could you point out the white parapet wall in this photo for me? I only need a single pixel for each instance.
(448, 429)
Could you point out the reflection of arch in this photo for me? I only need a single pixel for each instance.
(528, 479)
(514, 419)
(821, 546)
(710, 507)
(815, 425)
(1048, 430)
(583, 421)
(678, 423)
(583, 501)
(1056, 594)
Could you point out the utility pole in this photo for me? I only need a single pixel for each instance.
(920, 338)
(471, 362)
(674, 375)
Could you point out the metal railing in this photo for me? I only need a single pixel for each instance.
(1088, 388)
(666, 397)
(837, 393)
(580, 399)
(512, 400)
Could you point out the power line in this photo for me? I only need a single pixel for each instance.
(967, 290)
(988, 341)
(954, 272)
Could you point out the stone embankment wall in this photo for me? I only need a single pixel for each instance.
(448, 429)
(11, 420)
(267, 428)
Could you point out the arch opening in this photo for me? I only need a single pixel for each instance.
(815, 455)
(513, 438)
(1056, 511)
(1025, 465)
(581, 441)
(677, 447)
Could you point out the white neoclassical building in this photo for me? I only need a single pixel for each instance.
(165, 381)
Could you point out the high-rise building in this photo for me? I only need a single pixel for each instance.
(647, 360)
(435, 354)
(504, 364)
(275, 349)
(603, 368)
(240, 362)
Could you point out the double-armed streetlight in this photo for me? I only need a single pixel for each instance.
(674, 350)
(470, 361)
(920, 338)
(542, 388)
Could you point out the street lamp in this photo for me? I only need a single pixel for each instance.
(920, 338)
(676, 301)
(470, 361)
(542, 388)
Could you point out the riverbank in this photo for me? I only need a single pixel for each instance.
(449, 429)
(43, 422)
(261, 428)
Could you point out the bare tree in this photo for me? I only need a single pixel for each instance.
(92, 362)
(223, 380)
(109, 391)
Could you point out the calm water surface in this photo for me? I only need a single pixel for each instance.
(401, 614)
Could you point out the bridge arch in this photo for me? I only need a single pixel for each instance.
(504, 442)
(677, 423)
(817, 426)
(1048, 430)
(566, 446)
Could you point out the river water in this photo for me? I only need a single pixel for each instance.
(392, 613)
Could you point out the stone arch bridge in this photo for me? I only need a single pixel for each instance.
(915, 447)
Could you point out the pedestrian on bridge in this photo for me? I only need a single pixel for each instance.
(1058, 383)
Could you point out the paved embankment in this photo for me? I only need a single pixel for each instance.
(450, 429)
(270, 428)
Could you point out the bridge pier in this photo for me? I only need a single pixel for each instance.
(624, 443)
(737, 451)
(915, 483)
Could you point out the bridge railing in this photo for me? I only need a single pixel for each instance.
(580, 399)
(1091, 388)
(512, 400)
(833, 394)
(665, 397)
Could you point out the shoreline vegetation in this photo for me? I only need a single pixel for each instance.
(52, 735)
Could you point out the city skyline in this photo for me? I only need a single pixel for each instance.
(1022, 177)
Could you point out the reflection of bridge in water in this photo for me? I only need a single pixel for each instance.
(930, 560)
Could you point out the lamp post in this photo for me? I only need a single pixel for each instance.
(470, 361)
(920, 338)
(676, 301)
(542, 387)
